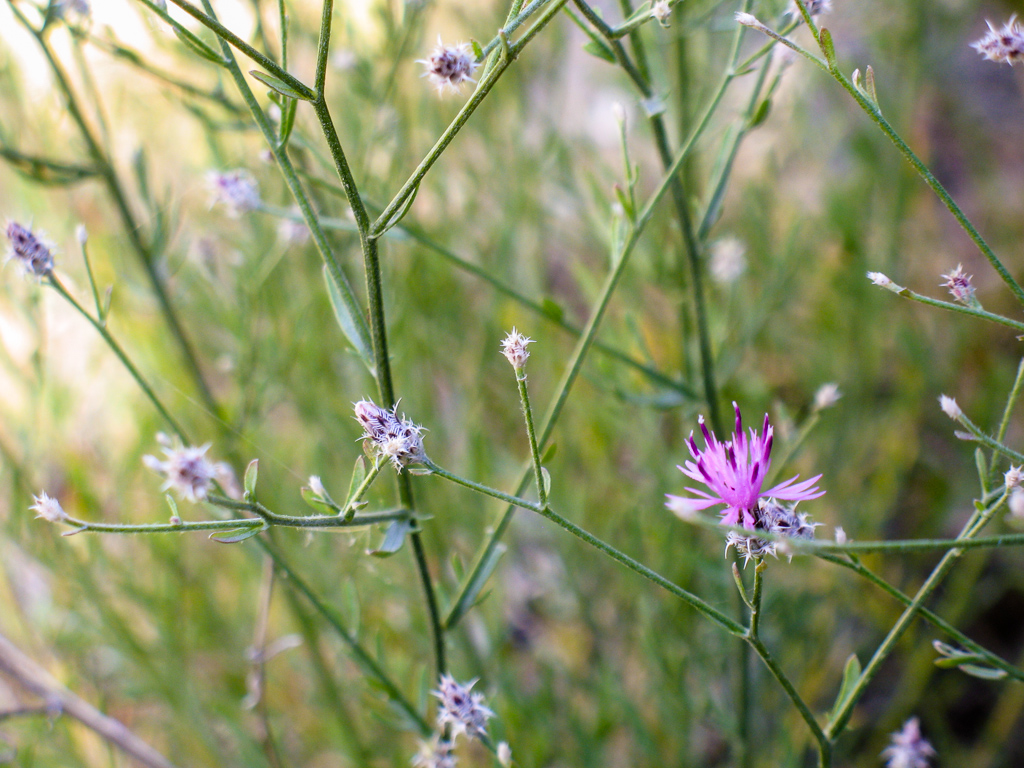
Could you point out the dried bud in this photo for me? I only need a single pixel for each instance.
(949, 407)
(908, 749)
(814, 7)
(186, 469)
(1014, 476)
(826, 396)
(237, 189)
(398, 440)
(661, 11)
(960, 286)
(464, 711)
(34, 257)
(514, 348)
(1006, 44)
(840, 535)
(449, 66)
(48, 508)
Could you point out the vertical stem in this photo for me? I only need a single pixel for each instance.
(524, 399)
(378, 325)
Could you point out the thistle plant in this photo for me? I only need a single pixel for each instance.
(361, 248)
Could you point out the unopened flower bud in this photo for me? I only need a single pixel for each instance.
(1014, 476)
(949, 407)
(1005, 44)
(236, 189)
(826, 396)
(661, 11)
(398, 440)
(35, 257)
(514, 348)
(48, 508)
(449, 66)
(960, 286)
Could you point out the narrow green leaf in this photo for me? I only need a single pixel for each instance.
(236, 535)
(394, 537)
(351, 325)
(478, 52)
(828, 47)
(599, 49)
(851, 673)
(279, 85)
(549, 453)
(310, 498)
(172, 504)
(552, 309)
(761, 113)
(287, 121)
(985, 673)
(546, 479)
(251, 473)
(472, 589)
(358, 475)
(198, 47)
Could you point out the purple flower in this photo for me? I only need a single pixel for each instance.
(734, 473)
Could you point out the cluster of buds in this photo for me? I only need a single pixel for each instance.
(236, 189)
(396, 439)
(34, 256)
(449, 66)
(1004, 44)
(771, 517)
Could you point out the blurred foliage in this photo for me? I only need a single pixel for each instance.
(584, 664)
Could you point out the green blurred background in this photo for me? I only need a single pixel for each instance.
(584, 663)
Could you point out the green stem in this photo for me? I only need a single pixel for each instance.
(1011, 401)
(906, 293)
(378, 324)
(486, 552)
(392, 211)
(524, 399)
(366, 661)
(101, 328)
(842, 715)
(875, 114)
(823, 739)
(209, 21)
(926, 613)
(479, 488)
(117, 194)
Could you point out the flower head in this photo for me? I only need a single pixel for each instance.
(826, 396)
(661, 11)
(949, 407)
(1005, 44)
(514, 348)
(79, 8)
(960, 286)
(449, 66)
(735, 471)
(728, 260)
(48, 508)
(398, 440)
(463, 710)
(435, 753)
(237, 189)
(771, 517)
(1014, 477)
(908, 749)
(814, 7)
(187, 469)
(34, 257)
